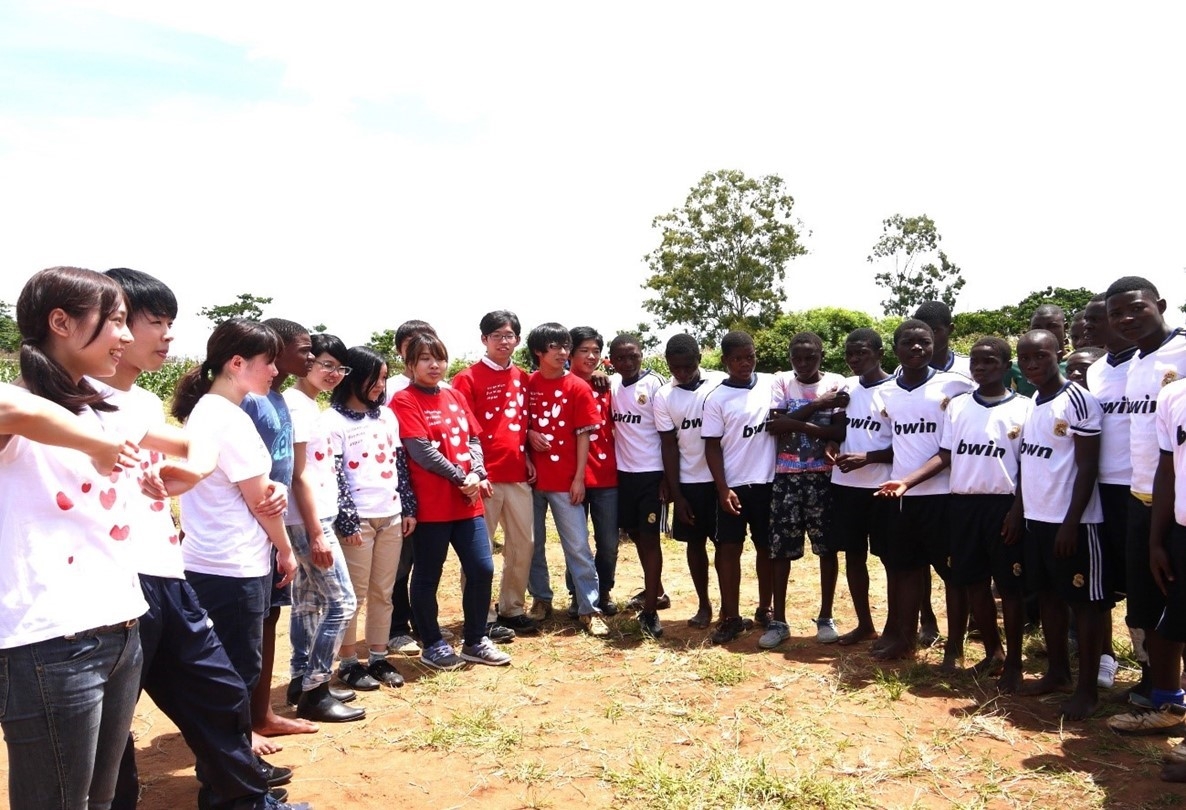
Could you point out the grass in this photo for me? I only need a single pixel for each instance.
(477, 731)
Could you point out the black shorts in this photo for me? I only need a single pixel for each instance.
(1077, 579)
(1146, 602)
(1114, 499)
(703, 500)
(755, 513)
(800, 506)
(918, 535)
(978, 550)
(639, 508)
(860, 521)
(1173, 619)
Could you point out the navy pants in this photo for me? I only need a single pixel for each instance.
(190, 678)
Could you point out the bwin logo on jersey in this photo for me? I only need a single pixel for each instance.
(628, 418)
(1181, 436)
(1035, 450)
(753, 430)
(864, 423)
(921, 426)
(990, 449)
(688, 424)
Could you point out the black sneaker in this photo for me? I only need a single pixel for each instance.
(499, 633)
(383, 672)
(729, 629)
(649, 624)
(274, 775)
(606, 603)
(639, 599)
(763, 616)
(523, 625)
(356, 677)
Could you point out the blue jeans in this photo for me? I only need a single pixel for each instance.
(472, 544)
(601, 505)
(322, 604)
(574, 540)
(237, 607)
(66, 707)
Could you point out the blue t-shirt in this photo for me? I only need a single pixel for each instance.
(274, 423)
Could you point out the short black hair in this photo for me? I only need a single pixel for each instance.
(145, 293)
(287, 330)
(810, 338)
(682, 345)
(409, 329)
(998, 346)
(735, 340)
(366, 364)
(625, 339)
(865, 335)
(1051, 308)
(493, 321)
(911, 323)
(1094, 352)
(551, 332)
(933, 313)
(1129, 284)
(579, 334)
(332, 345)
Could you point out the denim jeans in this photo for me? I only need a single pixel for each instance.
(237, 607)
(574, 540)
(66, 707)
(322, 605)
(472, 544)
(601, 505)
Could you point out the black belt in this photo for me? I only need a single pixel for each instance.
(98, 631)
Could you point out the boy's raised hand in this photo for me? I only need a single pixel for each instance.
(892, 489)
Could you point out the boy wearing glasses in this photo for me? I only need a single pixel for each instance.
(561, 414)
(496, 390)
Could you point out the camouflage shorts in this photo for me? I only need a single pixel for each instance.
(802, 507)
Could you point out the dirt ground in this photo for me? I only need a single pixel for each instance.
(676, 723)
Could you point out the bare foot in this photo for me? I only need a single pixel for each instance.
(991, 665)
(1045, 685)
(1078, 706)
(262, 746)
(276, 726)
(857, 636)
(950, 665)
(1010, 680)
(702, 619)
(894, 651)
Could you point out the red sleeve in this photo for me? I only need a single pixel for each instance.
(411, 419)
(463, 383)
(584, 410)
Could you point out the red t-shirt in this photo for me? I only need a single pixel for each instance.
(602, 467)
(496, 397)
(559, 409)
(444, 420)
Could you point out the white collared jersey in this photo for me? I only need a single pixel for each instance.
(1171, 438)
(956, 363)
(984, 439)
(1107, 379)
(1048, 454)
(636, 440)
(915, 417)
(867, 430)
(1147, 375)
(737, 415)
(682, 410)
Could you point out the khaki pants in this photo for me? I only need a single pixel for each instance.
(372, 574)
(510, 505)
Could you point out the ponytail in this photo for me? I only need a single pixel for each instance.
(231, 338)
(194, 385)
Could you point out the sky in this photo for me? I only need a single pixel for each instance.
(367, 163)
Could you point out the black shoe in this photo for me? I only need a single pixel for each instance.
(606, 603)
(274, 775)
(293, 693)
(383, 672)
(499, 633)
(279, 795)
(357, 677)
(319, 706)
(523, 625)
(729, 629)
(763, 616)
(649, 623)
(639, 599)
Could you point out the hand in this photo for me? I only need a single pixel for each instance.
(1065, 540)
(832, 399)
(409, 525)
(352, 539)
(469, 487)
(1012, 528)
(538, 441)
(599, 380)
(119, 455)
(173, 477)
(320, 552)
(831, 452)
(731, 503)
(892, 489)
(530, 471)
(664, 491)
(274, 503)
(847, 462)
(286, 564)
(1159, 565)
(683, 511)
(576, 493)
(486, 489)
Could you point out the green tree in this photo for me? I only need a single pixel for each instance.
(909, 241)
(384, 343)
(10, 335)
(832, 324)
(722, 257)
(1013, 320)
(245, 305)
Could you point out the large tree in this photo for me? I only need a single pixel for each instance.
(245, 305)
(10, 335)
(722, 258)
(912, 244)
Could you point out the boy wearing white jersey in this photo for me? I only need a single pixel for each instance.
(740, 455)
(1064, 556)
(937, 315)
(639, 451)
(679, 411)
(980, 440)
(913, 406)
(862, 462)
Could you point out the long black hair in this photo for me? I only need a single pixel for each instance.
(231, 338)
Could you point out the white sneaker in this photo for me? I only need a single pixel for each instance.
(776, 633)
(403, 645)
(1146, 721)
(825, 631)
(1106, 678)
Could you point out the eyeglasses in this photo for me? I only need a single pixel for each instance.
(559, 347)
(503, 337)
(333, 368)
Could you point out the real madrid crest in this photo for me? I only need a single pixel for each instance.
(1169, 377)
(943, 405)
(1077, 580)
(642, 399)
(1014, 431)
(1016, 569)
(1060, 427)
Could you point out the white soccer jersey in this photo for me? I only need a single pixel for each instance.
(636, 440)
(867, 430)
(915, 416)
(1171, 438)
(1048, 454)
(1147, 375)
(1107, 378)
(737, 416)
(682, 410)
(983, 438)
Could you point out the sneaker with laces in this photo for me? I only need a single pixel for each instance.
(649, 624)
(403, 645)
(499, 632)
(523, 625)
(1147, 721)
(763, 616)
(272, 803)
(541, 610)
(1106, 678)
(825, 631)
(639, 599)
(484, 652)
(383, 672)
(441, 656)
(729, 629)
(594, 625)
(776, 633)
(356, 677)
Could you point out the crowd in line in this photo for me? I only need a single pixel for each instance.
(1044, 479)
